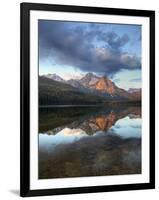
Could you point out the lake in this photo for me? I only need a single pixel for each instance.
(89, 141)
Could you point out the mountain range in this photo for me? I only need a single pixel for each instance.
(89, 89)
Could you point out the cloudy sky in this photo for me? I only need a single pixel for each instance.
(72, 49)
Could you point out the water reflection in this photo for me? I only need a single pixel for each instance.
(89, 141)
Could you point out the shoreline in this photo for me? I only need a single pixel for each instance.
(93, 105)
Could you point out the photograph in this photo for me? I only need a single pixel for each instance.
(87, 99)
(89, 94)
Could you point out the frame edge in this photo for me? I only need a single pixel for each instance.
(24, 101)
(25, 106)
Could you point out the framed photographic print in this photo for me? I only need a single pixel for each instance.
(87, 99)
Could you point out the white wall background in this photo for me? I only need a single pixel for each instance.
(10, 103)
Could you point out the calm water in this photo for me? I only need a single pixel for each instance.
(93, 141)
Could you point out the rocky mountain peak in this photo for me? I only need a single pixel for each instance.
(55, 77)
(89, 79)
(105, 85)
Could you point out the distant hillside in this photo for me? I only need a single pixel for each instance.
(135, 93)
(103, 87)
(55, 77)
(55, 93)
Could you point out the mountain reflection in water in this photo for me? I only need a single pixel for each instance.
(75, 142)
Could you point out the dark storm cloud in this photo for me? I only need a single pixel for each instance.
(114, 41)
(78, 45)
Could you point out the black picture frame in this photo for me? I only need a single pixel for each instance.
(25, 9)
